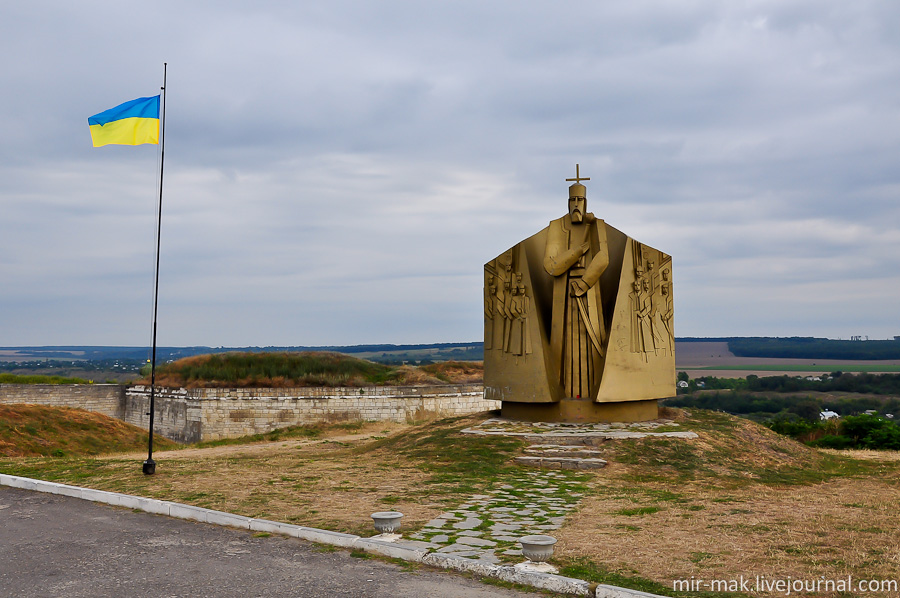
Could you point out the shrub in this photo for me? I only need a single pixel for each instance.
(858, 427)
(833, 442)
(887, 437)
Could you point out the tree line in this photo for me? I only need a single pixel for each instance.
(814, 348)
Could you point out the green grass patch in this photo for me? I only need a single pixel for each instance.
(467, 462)
(673, 454)
(39, 379)
(638, 511)
(828, 466)
(583, 568)
(353, 425)
(303, 431)
(628, 528)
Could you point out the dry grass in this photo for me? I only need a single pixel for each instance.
(739, 500)
(458, 372)
(34, 430)
(333, 481)
(833, 529)
(320, 484)
(750, 503)
(867, 455)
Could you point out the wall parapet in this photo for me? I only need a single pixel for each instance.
(193, 415)
(196, 414)
(107, 399)
(315, 392)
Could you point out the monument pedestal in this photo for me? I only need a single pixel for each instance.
(582, 411)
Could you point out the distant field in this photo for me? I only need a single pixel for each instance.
(812, 367)
(703, 358)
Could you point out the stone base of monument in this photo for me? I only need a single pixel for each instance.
(582, 411)
(557, 456)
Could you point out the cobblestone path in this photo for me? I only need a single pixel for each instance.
(488, 526)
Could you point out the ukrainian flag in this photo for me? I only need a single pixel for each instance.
(131, 123)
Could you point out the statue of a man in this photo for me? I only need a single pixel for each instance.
(578, 322)
(576, 255)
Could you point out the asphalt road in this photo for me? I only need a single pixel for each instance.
(60, 546)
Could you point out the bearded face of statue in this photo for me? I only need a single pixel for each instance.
(577, 209)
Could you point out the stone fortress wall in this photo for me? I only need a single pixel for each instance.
(102, 398)
(193, 415)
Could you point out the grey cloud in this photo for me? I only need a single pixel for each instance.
(339, 173)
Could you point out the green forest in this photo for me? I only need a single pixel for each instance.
(798, 347)
(866, 404)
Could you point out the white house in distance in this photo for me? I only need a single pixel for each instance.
(828, 414)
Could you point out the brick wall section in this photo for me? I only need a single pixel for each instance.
(107, 399)
(212, 413)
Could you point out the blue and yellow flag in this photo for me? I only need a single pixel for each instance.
(131, 123)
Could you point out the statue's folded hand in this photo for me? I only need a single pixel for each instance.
(578, 288)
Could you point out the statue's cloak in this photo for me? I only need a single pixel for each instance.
(624, 371)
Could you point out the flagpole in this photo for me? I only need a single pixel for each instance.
(149, 467)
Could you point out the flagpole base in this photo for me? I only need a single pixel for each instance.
(149, 467)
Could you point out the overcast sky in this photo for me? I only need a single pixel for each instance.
(338, 172)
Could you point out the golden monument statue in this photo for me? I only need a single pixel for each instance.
(578, 323)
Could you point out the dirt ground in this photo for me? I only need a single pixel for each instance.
(833, 529)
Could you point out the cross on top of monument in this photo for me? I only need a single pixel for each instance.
(578, 178)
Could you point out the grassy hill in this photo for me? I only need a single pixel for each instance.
(309, 368)
(36, 430)
(40, 379)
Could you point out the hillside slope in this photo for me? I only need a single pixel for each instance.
(36, 430)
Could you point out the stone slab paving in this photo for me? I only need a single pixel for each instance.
(488, 526)
(557, 462)
(586, 434)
